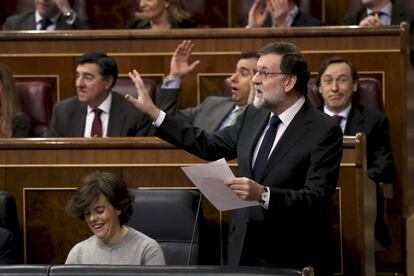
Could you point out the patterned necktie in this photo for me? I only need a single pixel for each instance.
(236, 115)
(338, 119)
(44, 23)
(97, 124)
(265, 147)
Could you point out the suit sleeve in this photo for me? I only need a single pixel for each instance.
(381, 167)
(7, 25)
(209, 146)
(54, 130)
(167, 102)
(6, 247)
(21, 126)
(320, 180)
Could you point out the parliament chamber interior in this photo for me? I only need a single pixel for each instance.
(39, 175)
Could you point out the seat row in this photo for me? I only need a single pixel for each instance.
(37, 97)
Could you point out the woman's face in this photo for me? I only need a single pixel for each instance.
(103, 220)
(153, 8)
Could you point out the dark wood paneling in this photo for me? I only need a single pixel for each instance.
(43, 173)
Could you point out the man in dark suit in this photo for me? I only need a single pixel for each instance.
(279, 13)
(338, 80)
(288, 157)
(376, 13)
(7, 247)
(97, 111)
(48, 15)
(215, 112)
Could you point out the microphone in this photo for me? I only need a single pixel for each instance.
(193, 236)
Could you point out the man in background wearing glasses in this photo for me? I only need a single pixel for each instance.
(288, 157)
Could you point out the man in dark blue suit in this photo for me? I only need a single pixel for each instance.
(48, 15)
(291, 168)
(338, 80)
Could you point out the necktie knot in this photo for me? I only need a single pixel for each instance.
(97, 112)
(44, 23)
(337, 119)
(274, 121)
(236, 115)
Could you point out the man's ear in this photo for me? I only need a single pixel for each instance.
(290, 82)
(108, 82)
(355, 86)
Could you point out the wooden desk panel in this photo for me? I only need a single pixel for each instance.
(43, 174)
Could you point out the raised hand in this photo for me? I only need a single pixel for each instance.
(257, 14)
(179, 65)
(63, 5)
(279, 9)
(143, 102)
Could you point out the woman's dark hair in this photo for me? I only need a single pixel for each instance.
(101, 183)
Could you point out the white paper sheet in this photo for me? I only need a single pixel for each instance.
(209, 178)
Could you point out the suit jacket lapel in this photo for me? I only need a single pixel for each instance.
(354, 122)
(116, 117)
(221, 113)
(256, 131)
(295, 131)
(79, 120)
(30, 23)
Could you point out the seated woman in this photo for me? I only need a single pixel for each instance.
(13, 122)
(161, 14)
(105, 204)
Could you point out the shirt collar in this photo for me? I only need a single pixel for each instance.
(291, 15)
(344, 113)
(386, 9)
(105, 106)
(287, 116)
(54, 18)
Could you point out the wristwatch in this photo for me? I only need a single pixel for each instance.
(265, 195)
(70, 17)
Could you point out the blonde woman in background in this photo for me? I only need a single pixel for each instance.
(13, 122)
(161, 14)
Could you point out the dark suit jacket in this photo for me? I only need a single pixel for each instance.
(375, 125)
(397, 16)
(301, 20)
(208, 115)
(302, 174)
(21, 126)
(27, 21)
(7, 254)
(69, 116)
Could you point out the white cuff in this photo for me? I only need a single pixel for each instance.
(160, 119)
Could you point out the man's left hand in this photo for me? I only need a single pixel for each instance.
(245, 188)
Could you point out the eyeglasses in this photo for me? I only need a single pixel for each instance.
(264, 75)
